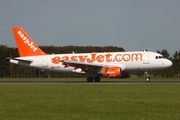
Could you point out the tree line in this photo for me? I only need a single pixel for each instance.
(8, 70)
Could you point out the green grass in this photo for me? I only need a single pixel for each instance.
(89, 101)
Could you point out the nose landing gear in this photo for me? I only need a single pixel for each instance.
(147, 76)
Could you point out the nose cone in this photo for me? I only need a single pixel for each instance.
(168, 63)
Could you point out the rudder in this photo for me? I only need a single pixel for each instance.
(25, 44)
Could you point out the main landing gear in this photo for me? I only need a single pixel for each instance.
(147, 76)
(96, 79)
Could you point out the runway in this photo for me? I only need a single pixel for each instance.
(87, 83)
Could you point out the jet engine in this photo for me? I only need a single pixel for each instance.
(113, 72)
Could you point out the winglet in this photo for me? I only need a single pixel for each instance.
(26, 46)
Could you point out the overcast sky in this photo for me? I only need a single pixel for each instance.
(131, 24)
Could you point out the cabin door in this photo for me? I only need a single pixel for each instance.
(145, 58)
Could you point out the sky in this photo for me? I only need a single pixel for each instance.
(130, 24)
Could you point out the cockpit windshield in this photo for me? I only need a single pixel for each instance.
(160, 57)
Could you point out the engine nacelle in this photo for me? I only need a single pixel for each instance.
(111, 72)
(114, 72)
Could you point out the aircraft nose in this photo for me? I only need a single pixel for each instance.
(168, 63)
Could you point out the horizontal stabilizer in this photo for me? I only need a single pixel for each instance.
(20, 61)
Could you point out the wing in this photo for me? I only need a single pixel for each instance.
(86, 67)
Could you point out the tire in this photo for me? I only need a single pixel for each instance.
(90, 79)
(148, 79)
(97, 79)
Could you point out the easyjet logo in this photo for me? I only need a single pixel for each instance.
(27, 41)
(94, 57)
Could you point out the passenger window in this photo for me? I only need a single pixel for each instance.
(156, 57)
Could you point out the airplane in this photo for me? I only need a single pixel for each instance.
(106, 64)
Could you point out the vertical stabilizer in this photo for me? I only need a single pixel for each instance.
(26, 46)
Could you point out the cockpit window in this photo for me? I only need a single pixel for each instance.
(159, 57)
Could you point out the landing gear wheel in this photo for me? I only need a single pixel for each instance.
(97, 79)
(147, 76)
(147, 79)
(90, 79)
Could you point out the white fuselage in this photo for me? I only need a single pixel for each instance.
(128, 61)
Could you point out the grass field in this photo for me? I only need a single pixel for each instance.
(89, 101)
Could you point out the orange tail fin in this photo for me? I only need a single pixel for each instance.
(25, 44)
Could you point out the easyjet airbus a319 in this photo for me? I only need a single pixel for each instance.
(106, 64)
